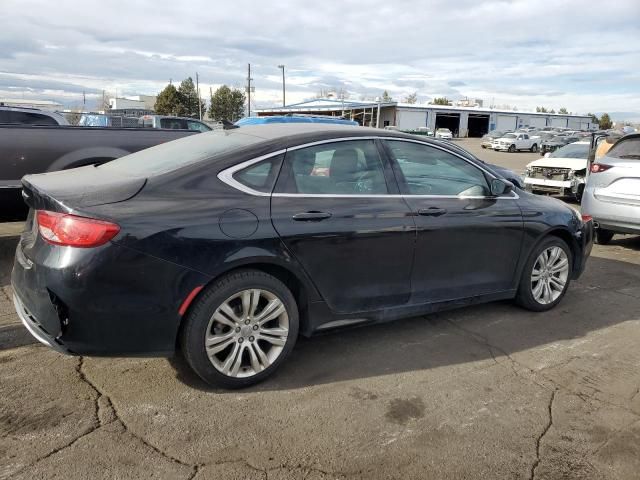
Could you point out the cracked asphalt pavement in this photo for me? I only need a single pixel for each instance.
(490, 391)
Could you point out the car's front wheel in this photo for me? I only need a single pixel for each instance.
(546, 275)
(240, 329)
(512, 148)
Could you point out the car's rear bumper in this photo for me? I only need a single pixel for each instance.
(36, 329)
(109, 300)
(584, 238)
(609, 215)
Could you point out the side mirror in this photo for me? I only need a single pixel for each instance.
(546, 155)
(500, 187)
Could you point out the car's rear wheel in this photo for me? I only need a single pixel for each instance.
(603, 237)
(240, 329)
(546, 275)
(534, 148)
(512, 148)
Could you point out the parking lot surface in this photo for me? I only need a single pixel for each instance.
(490, 391)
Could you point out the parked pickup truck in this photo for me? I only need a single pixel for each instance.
(38, 149)
(514, 142)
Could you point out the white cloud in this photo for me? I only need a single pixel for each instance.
(552, 53)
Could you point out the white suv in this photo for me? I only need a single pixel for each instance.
(513, 142)
(612, 194)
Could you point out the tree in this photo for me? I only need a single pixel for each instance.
(552, 111)
(413, 98)
(440, 101)
(594, 118)
(605, 122)
(541, 109)
(563, 110)
(227, 104)
(168, 101)
(188, 96)
(386, 97)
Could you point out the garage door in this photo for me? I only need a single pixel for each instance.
(558, 122)
(410, 119)
(574, 123)
(538, 122)
(506, 122)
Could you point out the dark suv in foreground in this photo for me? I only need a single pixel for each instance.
(228, 244)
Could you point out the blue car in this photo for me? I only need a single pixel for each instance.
(294, 119)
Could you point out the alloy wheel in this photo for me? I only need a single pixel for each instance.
(247, 333)
(549, 275)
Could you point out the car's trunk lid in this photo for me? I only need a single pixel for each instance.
(70, 190)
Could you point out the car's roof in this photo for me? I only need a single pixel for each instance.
(309, 131)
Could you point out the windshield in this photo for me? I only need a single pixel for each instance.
(510, 135)
(628, 149)
(179, 153)
(574, 150)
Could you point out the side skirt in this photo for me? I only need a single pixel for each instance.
(321, 319)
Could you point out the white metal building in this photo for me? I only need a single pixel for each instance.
(462, 121)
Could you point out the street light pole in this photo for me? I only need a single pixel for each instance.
(283, 99)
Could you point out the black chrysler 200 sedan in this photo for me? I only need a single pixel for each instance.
(230, 243)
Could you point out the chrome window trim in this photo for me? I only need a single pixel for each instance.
(226, 175)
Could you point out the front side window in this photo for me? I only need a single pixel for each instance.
(340, 168)
(197, 126)
(431, 171)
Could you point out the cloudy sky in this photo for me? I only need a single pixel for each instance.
(523, 53)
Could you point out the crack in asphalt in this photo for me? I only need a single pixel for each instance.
(118, 418)
(536, 462)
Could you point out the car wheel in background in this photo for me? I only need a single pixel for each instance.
(534, 148)
(546, 275)
(603, 237)
(241, 328)
(512, 148)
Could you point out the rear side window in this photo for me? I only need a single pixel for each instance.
(628, 149)
(260, 176)
(173, 123)
(27, 118)
(179, 153)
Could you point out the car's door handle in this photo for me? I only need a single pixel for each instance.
(311, 216)
(432, 212)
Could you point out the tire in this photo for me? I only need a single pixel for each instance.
(512, 148)
(603, 237)
(579, 193)
(534, 148)
(237, 357)
(532, 295)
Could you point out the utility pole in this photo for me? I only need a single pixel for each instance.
(249, 89)
(283, 90)
(199, 102)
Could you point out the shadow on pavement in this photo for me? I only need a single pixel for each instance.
(452, 337)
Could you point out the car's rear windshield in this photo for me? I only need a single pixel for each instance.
(573, 150)
(179, 153)
(628, 149)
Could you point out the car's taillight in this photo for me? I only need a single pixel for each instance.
(74, 231)
(587, 218)
(599, 167)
